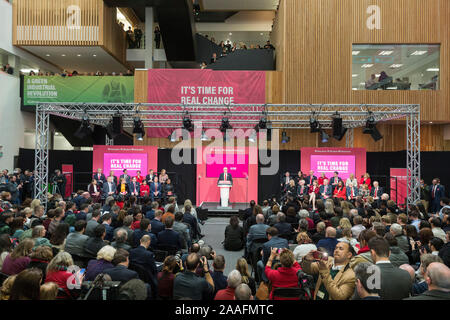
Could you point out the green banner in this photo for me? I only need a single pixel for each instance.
(89, 89)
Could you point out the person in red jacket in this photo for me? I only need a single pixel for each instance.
(340, 191)
(58, 271)
(286, 275)
(234, 279)
(365, 179)
(139, 178)
(313, 192)
(144, 189)
(321, 178)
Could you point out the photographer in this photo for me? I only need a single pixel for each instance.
(60, 180)
(336, 279)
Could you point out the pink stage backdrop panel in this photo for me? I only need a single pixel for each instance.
(237, 165)
(345, 165)
(118, 158)
(399, 184)
(245, 188)
(197, 86)
(327, 160)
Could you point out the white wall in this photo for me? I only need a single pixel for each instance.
(13, 122)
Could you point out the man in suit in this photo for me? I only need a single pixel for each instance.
(144, 229)
(376, 191)
(143, 257)
(395, 283)
(183, 230)
(156, 224)
(106, 221)
(120, 271)
(93, 223)
(274, 242)
(437, 276)
(352, 192)
(325, 190)
(99, 177)
(191, 221)
(125, 176)
(363, 274)
(95, 243)
(282, 226)
(75, 241)
(113, 177)
(134, 187)
(109, 188)
(284, 181)
(155, 189)
(310, 179)
(225, 176)
(437, 191)
(334, 180)
(150, 176)
(168, 237)
(256, 231)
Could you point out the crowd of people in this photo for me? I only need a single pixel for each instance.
(75, 73)
(7, 69)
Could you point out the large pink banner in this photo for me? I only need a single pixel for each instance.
(206, 87)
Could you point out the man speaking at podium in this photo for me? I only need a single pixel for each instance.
(225, 176)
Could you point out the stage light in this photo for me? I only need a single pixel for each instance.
(262, 123)
(173, 136)
(324, 136)
(138, 129)
(269, 131)
(225, 125)
(85, 128)
(115, 127)
(187, 123)
(314, 125)
(371, 128)
(284, 137)
(252, 137)
(204, 137)
(338, 130)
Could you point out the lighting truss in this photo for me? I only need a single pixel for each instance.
(241, 116)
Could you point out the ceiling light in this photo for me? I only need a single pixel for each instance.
(138, 129)
(261, 33)
(430, 122)
(367, 65)
(230, 33)
(354, 89)
(78, 55)
(396, 66)
(385, 53)
(355, 53)
(324, 136)
(47, 55)
(354, 75)
(314, 125)
(371, 128)
(94, 55)
(252, 137)
(419, 53)
(204, 137)
(284, 137)
(63, 55)
(433, 69)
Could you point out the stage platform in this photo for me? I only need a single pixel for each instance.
(215, 210)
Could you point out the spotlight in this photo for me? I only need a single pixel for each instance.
(173, 136)
(204, 137)
(371, 128)
(225, 125)
(262, 123)
(85, 128)
(338, 130)
(115, 127)
(284, 137)
(187, 123)
(138, 129)
(324, 136)
(252, 137)
(314, 125)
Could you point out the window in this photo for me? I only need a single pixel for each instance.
(395, 67)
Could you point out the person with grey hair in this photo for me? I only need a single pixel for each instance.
(366, 279)
(425, 260)
(329, 242)
(121, 240)
(134, 289)
(234, 279)
(38, 235)
(438, 280)
(256, 231)
(357, 226)
(353, 213)
(282, 226)
(243, 292)
(402, 241)
(127, 222)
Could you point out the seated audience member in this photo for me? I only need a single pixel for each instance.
(94, 244)
(305, 246)
(426, 259)
(155, 189)
(402, 241)
(26, 285)
(444, 253)
(94, 191)
(256, 231)
(166, 277)
(5, 289)
(38, 235)
(273, 242)
(326, 191)
(40, 259)
(336, 279)
(234, 235)
(134, 187)
(320, 232)
(120, 271)
(144, 189)
(133, 290)
(123, 188)
(243, 292)
(5, 247)
(242, 267)
(103, 261)
(284, 276)
(121, 240)
(57, 271)
(150, 214)
(220, 281)
(282, 226)
(234, 279)
(58, 238)
(19, 258)
(48, 291)
(364, 254)
(92, 223)
(76, 240)
(168, 237)
(157, 225)
(183, 231)
(357, 226)
(436, 225)
(169, 212)
(363, 274)
(437, 278)
(107, 221)
(188, 285)
(397, 257)
(168, 189)
(143, 257)
(144, 229)
(395, 282)
(329, 242)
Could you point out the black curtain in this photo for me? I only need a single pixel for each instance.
(183, 176)
(269, 186)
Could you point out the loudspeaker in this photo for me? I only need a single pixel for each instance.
(117, 125)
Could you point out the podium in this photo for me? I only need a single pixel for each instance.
(224, 187)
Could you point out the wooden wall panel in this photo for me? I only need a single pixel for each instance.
(113, 37)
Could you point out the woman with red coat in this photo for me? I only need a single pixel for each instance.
(313, 193)
(321, 178)
(144, 189)
(365, 179)
(139, 178)
(284, 276)
(340, 191)
(58, 272)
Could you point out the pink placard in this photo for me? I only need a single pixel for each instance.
(344, 165)
(237, 165)
(118, 162)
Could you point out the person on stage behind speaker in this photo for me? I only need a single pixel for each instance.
(376, 192)
(437, 191)
(109, 188)
(284, 182)
(139, 177)
(351, 179)
(163, 176)
(144, 189)
(99, 177)
(425, 194)
(352, 192)
(133, 187)
(322, 178)
(155, 189)
(325, 190)
(365, 179)
(125, 176)
(291, 189)
(95, 191)
(314, 193)
(300, 176)
(123, 188)
(302, 190)
(113, 177)
(340, 191)
(309, 179)
(334, 180)
(150, 176)
(60, 180)
(168, 189)
(225, 176)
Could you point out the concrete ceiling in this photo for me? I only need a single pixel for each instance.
(81, 59)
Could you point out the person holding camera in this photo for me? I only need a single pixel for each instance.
(336, 279)
(60, 181)
(189, 285)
